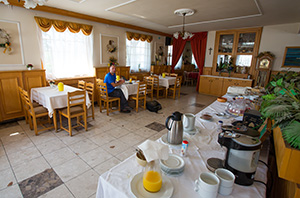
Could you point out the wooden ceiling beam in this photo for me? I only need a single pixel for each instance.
(87, 17)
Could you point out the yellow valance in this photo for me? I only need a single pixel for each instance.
(137, 36)
(60, 26)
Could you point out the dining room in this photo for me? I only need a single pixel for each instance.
(62, 135)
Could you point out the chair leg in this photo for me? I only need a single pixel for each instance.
(30, 122)
(107, 108)
(60, 120)
(174, 92)
(54, 120)
(157, 93)
(93, 111)
(178, 93)
(137, 105)
(70, 126)
(100, 104)
(145, 103)
(119, 105)
(167, 92)
(151, 95)
(35, 125)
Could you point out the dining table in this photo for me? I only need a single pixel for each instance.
(119, 180)
(167, 81)
(129, 88)
(51, 98)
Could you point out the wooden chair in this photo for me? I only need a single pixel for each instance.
(167, 74)
(103, 97)
(37, 112)
(187, 79)
(81, 84)
(173, 75)
(157, 87)
(76, 108)
(176, 87)
(23, 103)
(140, 95)
(99, 80)
(150, 85)
(89, 87)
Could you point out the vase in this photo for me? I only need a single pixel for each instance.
(29, 68)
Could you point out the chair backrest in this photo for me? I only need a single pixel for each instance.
(81, 84)
(102, 90)
(99, 80)
(150, 82)
(178, 81)
(90, 90)
(28, 103)
(173, 75)
(156, 81)
(142, 88)
(167, 74)
(133, 77)
(77, 98)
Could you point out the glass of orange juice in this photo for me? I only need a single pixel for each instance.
(152, 179)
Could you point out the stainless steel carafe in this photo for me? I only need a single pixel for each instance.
(174, 125)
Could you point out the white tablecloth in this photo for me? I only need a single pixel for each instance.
(202, 146)
(129, 89)
(166, 81)
(53, 99)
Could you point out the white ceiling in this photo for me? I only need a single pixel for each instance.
(209, 14)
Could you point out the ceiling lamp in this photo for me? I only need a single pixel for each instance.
(183, 12)
(29, 3)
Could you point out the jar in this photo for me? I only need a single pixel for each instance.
(152, 178)
(60, 86)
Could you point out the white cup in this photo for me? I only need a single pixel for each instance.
(189, 121)
(207, 185)
(226, 178)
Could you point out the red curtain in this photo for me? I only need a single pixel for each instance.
(198, 44)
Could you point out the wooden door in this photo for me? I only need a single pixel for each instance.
(216, 86)
(10, 102)
(204, 86)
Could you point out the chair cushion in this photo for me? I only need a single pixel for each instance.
(35, 104)
(73, 110)
(39, 110)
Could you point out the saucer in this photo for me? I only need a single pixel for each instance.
(138, 189)
(205, 119)
(174, 146)
(192, 132)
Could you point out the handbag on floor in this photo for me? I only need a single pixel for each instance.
(153, 106)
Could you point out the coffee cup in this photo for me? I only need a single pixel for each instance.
(207, 185)
(226, 178)
(189, 121)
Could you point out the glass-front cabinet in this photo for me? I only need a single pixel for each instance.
(235, 52)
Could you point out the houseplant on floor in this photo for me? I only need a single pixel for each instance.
(282, 104)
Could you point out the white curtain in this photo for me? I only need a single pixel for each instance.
(138, 55)
(66, 54)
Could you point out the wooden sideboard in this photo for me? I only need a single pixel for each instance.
(100, 72)
(158, 69)
(10, 103)
(218, 85)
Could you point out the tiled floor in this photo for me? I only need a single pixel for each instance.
(79, 160)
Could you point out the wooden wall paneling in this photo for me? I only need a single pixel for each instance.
(207, 70)
(101, 72)
(10, 103)
(34, 78)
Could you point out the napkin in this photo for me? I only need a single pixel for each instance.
(154, 150)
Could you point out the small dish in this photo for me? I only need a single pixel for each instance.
(140, 158)
(173, 163)
(137, 188)
(221, 99)
(206, 116)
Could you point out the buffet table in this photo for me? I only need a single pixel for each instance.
(202, 146)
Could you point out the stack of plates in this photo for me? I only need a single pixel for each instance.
(173, 166)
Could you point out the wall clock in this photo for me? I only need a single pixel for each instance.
(263, 69)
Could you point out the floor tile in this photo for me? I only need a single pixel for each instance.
(117, 132)
(18, 145)
(145, 132)
(105, 166)
(60, 156)
(124, 155)
(23, 155)
(65, 137)
(102, 139)
(14, 136)
(50, 146)
(84, 185)
(4, 163)
(71, 169)
(43, 137)
(132, 139)
(96, 156)
(11, 192)
(30, 168)
(115, 147)
(7, 178)
(156, 126)
(59, 192)
(40, 184)
(83, 146)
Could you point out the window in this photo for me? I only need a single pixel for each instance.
(66, 54)
(138, 55)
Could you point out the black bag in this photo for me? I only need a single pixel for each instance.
(153, 106)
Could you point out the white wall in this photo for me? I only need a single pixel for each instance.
(274, 39)
(30, 42)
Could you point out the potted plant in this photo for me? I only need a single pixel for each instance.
(29, 66)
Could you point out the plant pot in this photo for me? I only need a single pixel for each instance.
(29, 68)
(287, 158)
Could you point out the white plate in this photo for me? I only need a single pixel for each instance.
(174, 146)
(139, 191)
(173, 163)
(193, 132)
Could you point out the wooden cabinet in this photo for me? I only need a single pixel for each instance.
(159, 69)
(211, 85)
(242, 46)
(100, 72)
(10, 103)
(123, 71)
(235, 82)
(120, 70)
(217, 86)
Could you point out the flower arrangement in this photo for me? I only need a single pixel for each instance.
(29, 66)
(112, 61)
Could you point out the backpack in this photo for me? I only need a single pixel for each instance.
(153, 106)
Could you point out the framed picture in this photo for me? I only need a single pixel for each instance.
(291, 57)
(11, 49)
(159, 50)
(109, 46)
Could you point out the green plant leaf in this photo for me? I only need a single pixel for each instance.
(279, 82)
(291, 134)
(273, 83)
